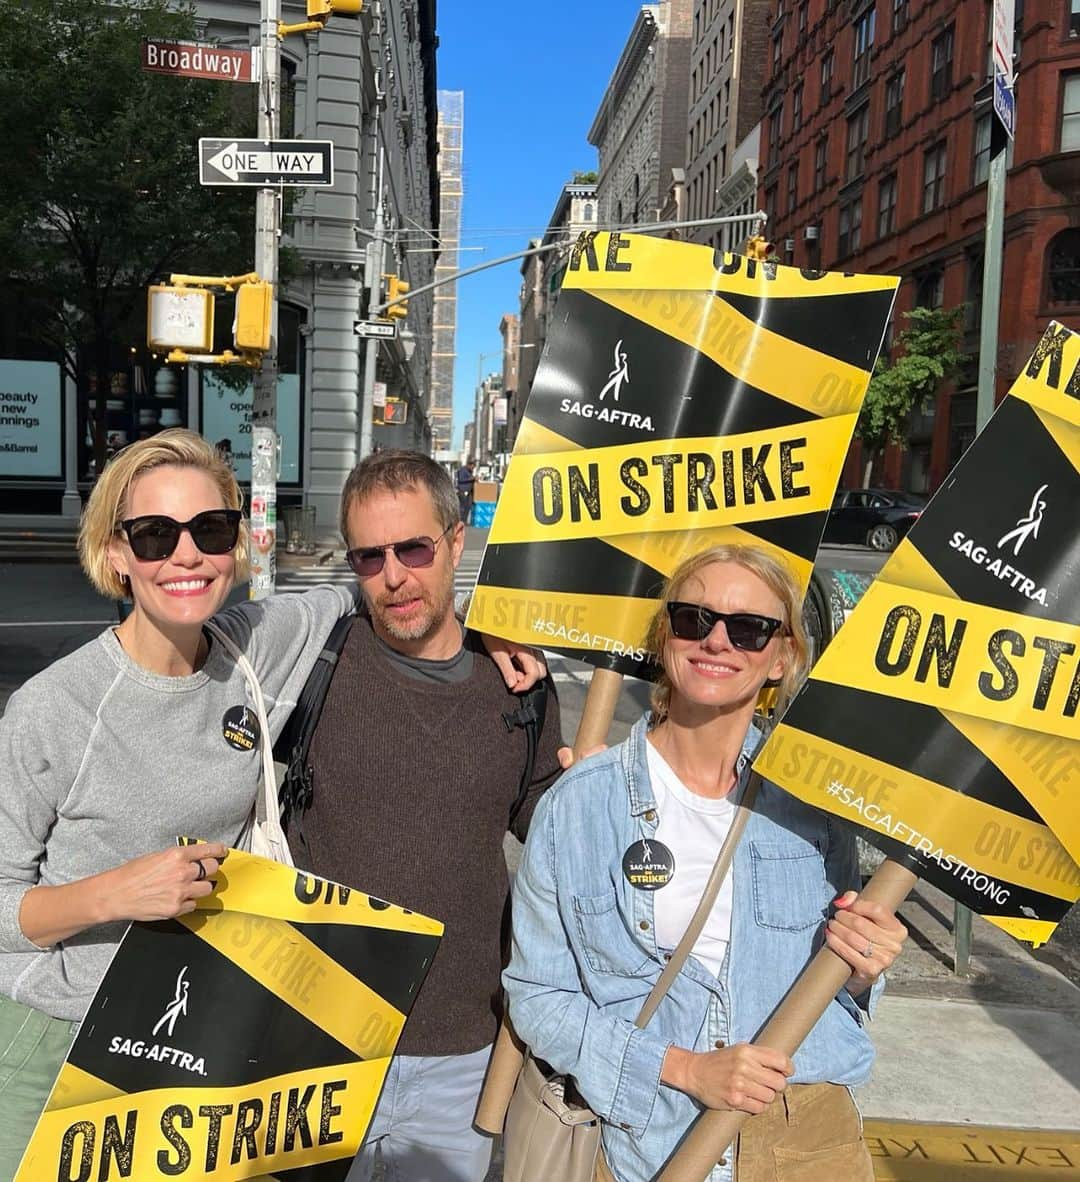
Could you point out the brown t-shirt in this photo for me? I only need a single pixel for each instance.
(413, 785)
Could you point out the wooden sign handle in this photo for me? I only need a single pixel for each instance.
(807, 1000)
(509, 1052)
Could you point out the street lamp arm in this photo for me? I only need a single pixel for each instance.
(650, 228)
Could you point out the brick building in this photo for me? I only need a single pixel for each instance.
(875, 151)
(727, 68)
(640, 128)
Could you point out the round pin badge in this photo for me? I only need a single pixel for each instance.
(648, 865)
(240, 727)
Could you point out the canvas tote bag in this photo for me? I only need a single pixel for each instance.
(267, 837)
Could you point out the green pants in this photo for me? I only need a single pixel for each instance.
(32, 1047)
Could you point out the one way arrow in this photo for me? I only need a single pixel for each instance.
(231, 161)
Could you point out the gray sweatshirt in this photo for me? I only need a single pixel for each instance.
(102, 761)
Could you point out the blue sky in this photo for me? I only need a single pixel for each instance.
(533, 76)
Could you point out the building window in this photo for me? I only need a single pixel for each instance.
(1070, 114)
(930, 288)
(864, 43)
(849, 227)
(587, 214)
(857, 128)
(1074, 18)
(934, 177)
(796, 107)
(777, 49)
(826, 76)
(804, 10)
(776, 119)
(941, 65)
(973, 295)
(1063, 270)
(899, 16)
(982, 149)
(792, 186)
(821, 151)
(886, 218)
(894, 104)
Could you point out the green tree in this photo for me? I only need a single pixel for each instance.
(102, 195)
(585, 178)
(926, 354)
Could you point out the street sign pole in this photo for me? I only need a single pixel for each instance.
(264, 439)
(373, 268)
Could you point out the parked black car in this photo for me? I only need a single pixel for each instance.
(876, 517)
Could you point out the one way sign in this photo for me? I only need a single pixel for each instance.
(266, 162)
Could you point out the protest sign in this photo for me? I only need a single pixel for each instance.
(685, 398)
(245, 1040)
(942, 717)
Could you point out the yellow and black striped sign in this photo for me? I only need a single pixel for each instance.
(685, 398)
(249, 1039)
(943, 716)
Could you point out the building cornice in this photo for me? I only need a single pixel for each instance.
(646, 29)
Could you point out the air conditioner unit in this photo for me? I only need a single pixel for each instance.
(811, 233)
(789, 245)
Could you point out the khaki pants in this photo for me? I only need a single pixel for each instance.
(811, 1133)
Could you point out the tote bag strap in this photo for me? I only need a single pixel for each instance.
(712, 888)
(266, 802)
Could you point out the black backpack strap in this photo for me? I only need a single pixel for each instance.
(294, 743)
(529, 715)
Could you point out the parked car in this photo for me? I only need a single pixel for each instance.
(874, 517)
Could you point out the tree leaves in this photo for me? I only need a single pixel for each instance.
(926, 355)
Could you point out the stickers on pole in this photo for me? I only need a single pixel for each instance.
(685, 398)
(943, 716)
(247, 1039)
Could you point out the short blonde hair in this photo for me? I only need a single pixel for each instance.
(777, 576)
(107, 506)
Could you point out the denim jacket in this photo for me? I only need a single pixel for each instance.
(585, 955)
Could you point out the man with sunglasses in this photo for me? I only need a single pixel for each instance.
(414, 774)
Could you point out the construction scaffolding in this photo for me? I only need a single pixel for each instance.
(451, 110)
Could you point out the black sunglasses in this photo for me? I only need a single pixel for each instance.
(413, 552)
(746, 630)
(156, 536)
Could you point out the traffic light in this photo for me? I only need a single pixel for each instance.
(396, 289)
(251, 326)
(758, 248)
(320, 11)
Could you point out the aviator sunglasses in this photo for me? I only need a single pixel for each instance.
(746, 630)
(156, 536)
(413, 552)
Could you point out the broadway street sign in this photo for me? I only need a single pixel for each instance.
(266, 162)
(195, 59)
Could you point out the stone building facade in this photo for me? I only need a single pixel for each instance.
(727, 66)
(368, 85)
(639, 131)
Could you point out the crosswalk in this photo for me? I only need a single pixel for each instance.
(335, 571)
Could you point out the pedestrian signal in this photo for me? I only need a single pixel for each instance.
(758, 248)
(251, 325)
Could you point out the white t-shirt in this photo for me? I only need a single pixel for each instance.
(693, 827)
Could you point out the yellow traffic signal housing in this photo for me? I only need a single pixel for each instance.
(396, 289)
(254, 307)
(758, 248)
(322, 10)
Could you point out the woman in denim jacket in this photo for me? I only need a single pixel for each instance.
(588, 945)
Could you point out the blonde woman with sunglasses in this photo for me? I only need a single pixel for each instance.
(617, 859)
(141, 735)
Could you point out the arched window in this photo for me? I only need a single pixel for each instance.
(588, 212)
(1063, 268)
